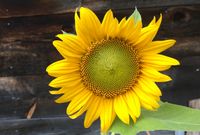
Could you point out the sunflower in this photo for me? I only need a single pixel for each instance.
(110, 68)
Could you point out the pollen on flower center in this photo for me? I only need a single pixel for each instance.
(110, 67)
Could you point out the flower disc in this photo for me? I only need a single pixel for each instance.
(110, 67)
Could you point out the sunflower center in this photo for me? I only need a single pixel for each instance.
(110, 67)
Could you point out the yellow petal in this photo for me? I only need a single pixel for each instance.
(158, 46)
(107, 114)
(65, 80)
(158, 59)
(147, 106)
(135, 33)
(122, 24)
(93, 111)
(155, 75)
(153, 24)
(91, 22)
(157, 67)
(114, 29)
(121, 109)
(148, 33)
(109, 25)
(107, 20)
(149, 86)
(153, 21)
(145, 38)
(69, 93)
(62, 67)
(79, 112)
(158, 23)
(157, 98)
(133, 103)
(64, 51)
(88, 26)
(134, 118)
(147, 98)
(84, 108)
(128, 30)
(78, 101)
(64, 90)
(81, 31)
(126, 27)
(73, 43)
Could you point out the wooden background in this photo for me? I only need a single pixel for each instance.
(27, 29)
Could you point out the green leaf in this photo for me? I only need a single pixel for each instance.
(136, 15)
(167, 117)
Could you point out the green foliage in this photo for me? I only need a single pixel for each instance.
(136, 15)
(167, 117)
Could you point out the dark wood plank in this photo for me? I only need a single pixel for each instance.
(129, 4)
(184, 87)
(55, 126)
(47, 126)
(25, 45)
(12, 8)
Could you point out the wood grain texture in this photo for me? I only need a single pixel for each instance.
(46, 126)
(13, 8)
(27, 29)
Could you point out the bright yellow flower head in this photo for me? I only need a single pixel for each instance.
(110, 68)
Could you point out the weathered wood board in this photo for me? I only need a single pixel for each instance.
(27, 29)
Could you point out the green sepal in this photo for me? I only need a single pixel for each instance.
(167, 117)
(63, 32)
(136, 15)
